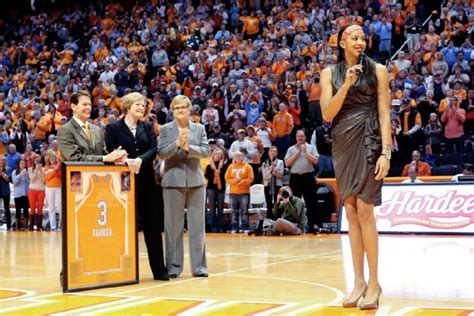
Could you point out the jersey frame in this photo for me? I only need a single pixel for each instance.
(79, 187)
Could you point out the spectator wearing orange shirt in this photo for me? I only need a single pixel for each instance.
(280, 66)
(239, 176)
(313, 89)
(282, 128)
(101, 52)
(423, 168)
(251, 26)
(52, 176)
(135, 70)
(50, 122)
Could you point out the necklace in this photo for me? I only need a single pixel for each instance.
(131, 127)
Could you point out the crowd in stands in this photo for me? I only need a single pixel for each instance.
(251, 69)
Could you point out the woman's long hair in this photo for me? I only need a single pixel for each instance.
(18, 169)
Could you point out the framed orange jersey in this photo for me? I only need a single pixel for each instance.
(99, 230)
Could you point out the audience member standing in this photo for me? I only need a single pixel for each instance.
(21, 180)
(216, 185)
(239, 176)
(52, 175)
(272, 171)
(36, 193)
(454, 118)
(282, 127)
(5, 174)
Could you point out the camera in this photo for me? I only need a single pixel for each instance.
(285, 194)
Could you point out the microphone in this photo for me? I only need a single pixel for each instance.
(361, 62)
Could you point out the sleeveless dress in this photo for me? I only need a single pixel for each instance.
(357, 142)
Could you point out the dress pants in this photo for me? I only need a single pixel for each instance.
(149, 211)
(175, 201)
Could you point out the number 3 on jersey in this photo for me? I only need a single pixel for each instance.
(102, 206)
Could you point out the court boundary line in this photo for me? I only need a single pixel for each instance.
(305, 257)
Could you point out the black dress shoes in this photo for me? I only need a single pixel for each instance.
(162, 276)
(201, 275)
(173, 275)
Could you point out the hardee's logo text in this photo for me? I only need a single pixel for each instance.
(448, 211)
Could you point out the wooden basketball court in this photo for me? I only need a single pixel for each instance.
(305, 275)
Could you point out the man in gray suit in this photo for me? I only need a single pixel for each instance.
(78, 140)
(181, 145)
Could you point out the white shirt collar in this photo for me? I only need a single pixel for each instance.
(78, 121)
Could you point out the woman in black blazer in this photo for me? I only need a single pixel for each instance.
(139, 140)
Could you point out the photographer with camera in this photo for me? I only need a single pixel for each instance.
(290, 212)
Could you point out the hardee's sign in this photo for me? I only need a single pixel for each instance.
(424, 208)
(430, 210)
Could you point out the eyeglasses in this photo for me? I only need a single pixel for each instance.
(178, 108)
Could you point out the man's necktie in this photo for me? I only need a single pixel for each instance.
(88, 132)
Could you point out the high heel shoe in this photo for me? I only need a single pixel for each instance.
(353, 303)
(371, 305)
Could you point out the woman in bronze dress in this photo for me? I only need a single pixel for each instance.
(355, 96)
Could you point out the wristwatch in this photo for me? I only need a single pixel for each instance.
(387, 155)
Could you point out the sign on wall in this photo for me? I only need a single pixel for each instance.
(423, 208)
(99, 235)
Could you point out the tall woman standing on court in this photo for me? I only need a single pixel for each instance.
(139, 140)
(355, 95)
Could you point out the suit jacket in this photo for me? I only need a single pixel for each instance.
(142, 145)
(182, 169)
(74, 145)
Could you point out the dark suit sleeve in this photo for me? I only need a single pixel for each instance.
(200, 151)
(70, 150)
(110, 138)
(166, 146)
(150, 154)
(209, 174)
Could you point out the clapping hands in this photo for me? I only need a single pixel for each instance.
(183, 137)
(117, 156)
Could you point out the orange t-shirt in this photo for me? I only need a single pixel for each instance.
(314, 91)
(251, 25)
(239, 177)
(52, 177)
(282, 124)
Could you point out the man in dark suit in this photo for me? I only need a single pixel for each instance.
(78, 140)
(181, 145)
(139, 140)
